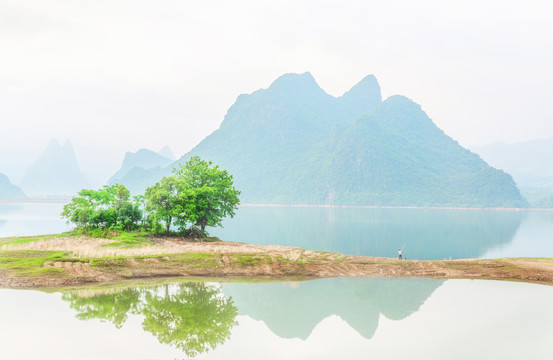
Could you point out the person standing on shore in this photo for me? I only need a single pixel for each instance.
(399, 254)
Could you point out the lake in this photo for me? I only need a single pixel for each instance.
(341, 318)
(427, 234)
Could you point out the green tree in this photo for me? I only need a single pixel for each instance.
(162, 201)
(207, 193)
(107, 207)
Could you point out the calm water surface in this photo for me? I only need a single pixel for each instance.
(344, 318)
(426, 233)
(320, 319)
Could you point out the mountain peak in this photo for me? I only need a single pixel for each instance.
(67, 145)
(56, 172)
(53, 144)
(365, 95)
(8, 191)
(295, 84)
(166, 152)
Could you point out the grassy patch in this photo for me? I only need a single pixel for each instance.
(247, 259)
(29, 263)
(196, 260)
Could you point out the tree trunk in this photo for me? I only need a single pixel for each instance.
(168, 225)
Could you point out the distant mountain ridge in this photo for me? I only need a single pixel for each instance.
(293, 143)
(166, 152)
(8, 191)
(530, 164)
(528, 161)
(142, 159)
(55, 173)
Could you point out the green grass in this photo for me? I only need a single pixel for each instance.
(30, 263)
(247, 259)
(198, 260)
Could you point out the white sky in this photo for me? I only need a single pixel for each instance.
(115, 76)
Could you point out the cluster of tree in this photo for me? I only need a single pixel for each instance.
(197, 195)
(110, 208)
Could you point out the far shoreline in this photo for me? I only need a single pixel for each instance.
(530, 209)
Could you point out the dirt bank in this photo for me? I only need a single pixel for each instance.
(68, 261)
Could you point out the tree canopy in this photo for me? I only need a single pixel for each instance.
(109, 207)
(199, 194)
(207, 192)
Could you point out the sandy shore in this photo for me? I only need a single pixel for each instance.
(75, 261)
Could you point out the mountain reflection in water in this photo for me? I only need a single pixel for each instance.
(197, 317)
(294, 309)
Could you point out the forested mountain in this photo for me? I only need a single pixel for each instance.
(8, 191)
(55, 173)
(295, 144)
(143, 159)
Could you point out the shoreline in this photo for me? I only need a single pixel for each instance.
(55, 261)
(66, 201)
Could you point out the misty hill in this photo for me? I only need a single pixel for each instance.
(8, 191)
(166, 152)
(143, 159)
(530, 164)
(55, 173)
(295, 144)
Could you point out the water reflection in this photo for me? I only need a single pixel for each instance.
(357, 301)
(196, 318)
(192, 317)
(427, 233)
(457, 319)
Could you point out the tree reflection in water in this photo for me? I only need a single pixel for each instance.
(193, 317)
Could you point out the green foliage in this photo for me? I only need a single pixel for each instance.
(162, 201)
(107, 208)
(198, 194)
(207, 193)
(193, 317)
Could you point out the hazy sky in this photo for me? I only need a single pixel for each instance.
(113, 76)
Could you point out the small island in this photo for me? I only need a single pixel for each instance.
(162, 234)
(72, 260)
